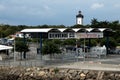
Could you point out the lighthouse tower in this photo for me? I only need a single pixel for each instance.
(79, 18)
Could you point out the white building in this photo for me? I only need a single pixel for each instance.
(20, 35)
(66, 33)
(79, 18)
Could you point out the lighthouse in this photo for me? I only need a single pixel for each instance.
(79, 18)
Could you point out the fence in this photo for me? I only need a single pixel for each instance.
(34, 59)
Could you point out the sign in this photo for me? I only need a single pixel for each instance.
(89, 35)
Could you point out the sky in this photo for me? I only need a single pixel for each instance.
(57, 12)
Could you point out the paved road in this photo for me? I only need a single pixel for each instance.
(110, 63)
(90, 66)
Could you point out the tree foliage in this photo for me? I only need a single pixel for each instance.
(50, 48)
(6, 29)
(81, 42)
(112, 42)
(21, 47)
(71, 42)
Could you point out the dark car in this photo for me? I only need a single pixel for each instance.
(115, 51)
(71, 48)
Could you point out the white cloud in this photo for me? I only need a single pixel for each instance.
(117, 5)
(97, 5)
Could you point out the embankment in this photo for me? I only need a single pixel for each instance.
(38, 73)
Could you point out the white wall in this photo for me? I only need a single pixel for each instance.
(79, 21)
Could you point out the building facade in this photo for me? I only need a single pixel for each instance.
(66, 33)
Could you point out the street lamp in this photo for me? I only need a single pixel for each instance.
(85, 39)
(14, 52)
(84, 44)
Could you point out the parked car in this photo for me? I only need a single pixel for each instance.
(115, 51)
(72, 48)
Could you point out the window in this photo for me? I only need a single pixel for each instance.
(64, 35)
(71, 35)
(58, 35)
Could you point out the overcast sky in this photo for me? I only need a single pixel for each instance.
(57, 12)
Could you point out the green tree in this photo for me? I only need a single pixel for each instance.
(94, 23)
(71, 42)
(112, 42)
(82, 42)
(115, 25)
(21, 47)
(50, 48)
(92, 43)
(57, 41)
(78, 26)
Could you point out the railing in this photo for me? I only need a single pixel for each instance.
(66, 57)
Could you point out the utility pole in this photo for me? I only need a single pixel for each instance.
(14, 53)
